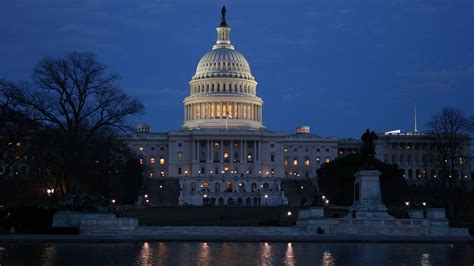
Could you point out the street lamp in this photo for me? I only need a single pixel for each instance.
(407, 203)
(50, 191)
(289, 213)
(266, 199)
(113, 201)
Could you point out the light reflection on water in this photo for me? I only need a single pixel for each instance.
(48, 255)
(425, 259)
(227, 253)
(289, 255)
(327, 259)
(266, 254)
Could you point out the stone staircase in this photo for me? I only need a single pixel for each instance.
(299, 191)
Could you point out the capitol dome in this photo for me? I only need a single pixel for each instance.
(223, 89)
(223, 62)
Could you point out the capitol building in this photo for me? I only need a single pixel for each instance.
(224, 155)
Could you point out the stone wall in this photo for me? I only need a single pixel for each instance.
(108, 226)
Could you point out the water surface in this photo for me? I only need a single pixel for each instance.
(227, 253)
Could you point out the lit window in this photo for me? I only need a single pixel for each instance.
(285, 162)
(327, 160)
(162, 161)
(152, 174)
(180, 156)
(141, 160)
(162, 173)
(205, 185)
(306, 162)
(226, 155)
(295, 162)
(152, 160)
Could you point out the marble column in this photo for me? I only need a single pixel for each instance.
(222, 151)
(232, 151)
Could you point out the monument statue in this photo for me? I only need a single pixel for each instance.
(223, 21)
(368, 148)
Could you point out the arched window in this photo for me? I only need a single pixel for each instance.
(229, 187)
(265, 186)
(254, 187)
(295, 162)
(241, 186)
(248, 202)
(179, 155)
(193, 186)
(205, 186)
(306, 161)
(410, 173)
(217, 187)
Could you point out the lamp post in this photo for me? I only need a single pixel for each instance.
(266, 199)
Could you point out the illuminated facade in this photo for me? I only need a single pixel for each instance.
(223, 155)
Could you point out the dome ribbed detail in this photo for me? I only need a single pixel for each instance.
(223, 62)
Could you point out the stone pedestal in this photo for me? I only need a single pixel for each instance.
(73, 219)
(312, 213)
(416, 214)
(368, 197)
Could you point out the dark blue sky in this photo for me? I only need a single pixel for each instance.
(337, 66)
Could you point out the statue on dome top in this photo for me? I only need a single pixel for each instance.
(223, 21)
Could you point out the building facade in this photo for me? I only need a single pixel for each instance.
(224, 155)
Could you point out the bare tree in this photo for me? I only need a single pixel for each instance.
(79, 104)
(450, 129)
(15, 129)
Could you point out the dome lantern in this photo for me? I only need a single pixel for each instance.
(223, 33)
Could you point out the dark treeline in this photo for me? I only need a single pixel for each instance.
(63, 129)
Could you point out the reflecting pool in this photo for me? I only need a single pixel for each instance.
(233, 253)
